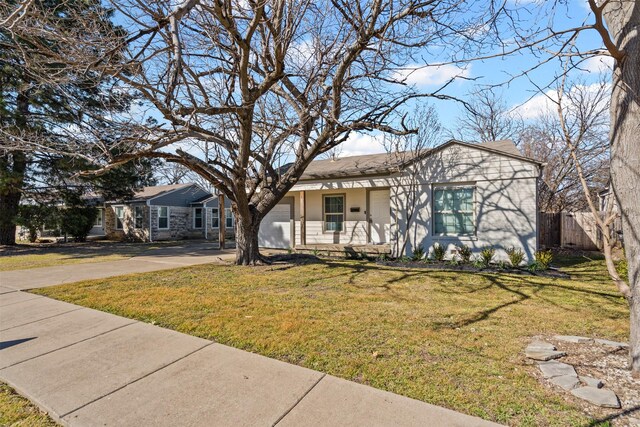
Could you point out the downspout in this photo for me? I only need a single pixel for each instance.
(150, 235)
(204, 220)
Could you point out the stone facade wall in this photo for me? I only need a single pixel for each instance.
(180, 225)
(128, 232)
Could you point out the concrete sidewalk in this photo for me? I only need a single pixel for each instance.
(152, 260)
(89, 368)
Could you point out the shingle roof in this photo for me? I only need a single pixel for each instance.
(385, 163)
(505, 145)
(366, 165)
(150, 192)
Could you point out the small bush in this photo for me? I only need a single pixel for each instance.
(35, 217)
(516, 256)
(77, 221)
(543, 259)
(465, 253)
(478, 262)
(418, 253)
(438, 252)
(486, 256)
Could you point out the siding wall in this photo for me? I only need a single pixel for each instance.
(505, 203)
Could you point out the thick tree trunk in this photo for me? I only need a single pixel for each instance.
(12, 172)
(623, 21)
(247, 251)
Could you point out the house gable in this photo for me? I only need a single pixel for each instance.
(179, 197)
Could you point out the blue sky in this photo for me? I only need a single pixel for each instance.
(520, 94)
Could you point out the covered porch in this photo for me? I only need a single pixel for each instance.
(325, 217)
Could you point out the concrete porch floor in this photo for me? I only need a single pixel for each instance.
(342, 249)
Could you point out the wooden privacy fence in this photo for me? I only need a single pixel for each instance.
(576, 230)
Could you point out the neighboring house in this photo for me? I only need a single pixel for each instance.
(479, 195)
(167, 212)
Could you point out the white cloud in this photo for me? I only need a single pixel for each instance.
(537, 106)
(598, 64)
(545, 104)
(422, 75)
(361, 143)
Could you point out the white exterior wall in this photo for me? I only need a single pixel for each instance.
(355, 225)
(505, 201)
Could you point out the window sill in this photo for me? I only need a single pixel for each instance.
(462, 237)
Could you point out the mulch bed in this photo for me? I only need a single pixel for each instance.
(435, 265)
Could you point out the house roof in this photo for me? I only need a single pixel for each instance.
(150, 192)
(366, 165)
(387, 163)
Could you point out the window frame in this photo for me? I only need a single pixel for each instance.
(344, 213)
(457, 186)
(100, 216)
(118, 218)
(135, 217)
(231, 217)
(168, 217)
(215, 216)
(195, 217)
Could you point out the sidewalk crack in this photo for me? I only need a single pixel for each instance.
(298, 401)
(134, 381)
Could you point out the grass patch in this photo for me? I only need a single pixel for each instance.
(448, 338)
(28, 256)
(15, 410)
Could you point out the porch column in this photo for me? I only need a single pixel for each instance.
(303, 222)
(222, 222)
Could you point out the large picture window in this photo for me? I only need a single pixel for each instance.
(333, 208)
(138, 215)
(215, 218)
(453, 212)
(197, 218)
(163, 217)
(119, 210)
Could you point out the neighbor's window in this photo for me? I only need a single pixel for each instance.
(163, 217)
(119, 216)
(197, 218)
(334, 213)
(98, 221)
(228, 216)
(453, 212)
(138, 212)
(215, 218)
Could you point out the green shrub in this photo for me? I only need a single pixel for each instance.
(77, 221)
(35, 218)
(465, 253)
(543, 259)
(486, 256)
(516, 256)
(438, 252)
(418, 253)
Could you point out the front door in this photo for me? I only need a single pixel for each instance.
(379, 216)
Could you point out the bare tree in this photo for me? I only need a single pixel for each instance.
(581, 112)
(405, 150)
(489, 118)
(267, 84)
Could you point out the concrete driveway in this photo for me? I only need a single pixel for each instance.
(163, 258)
